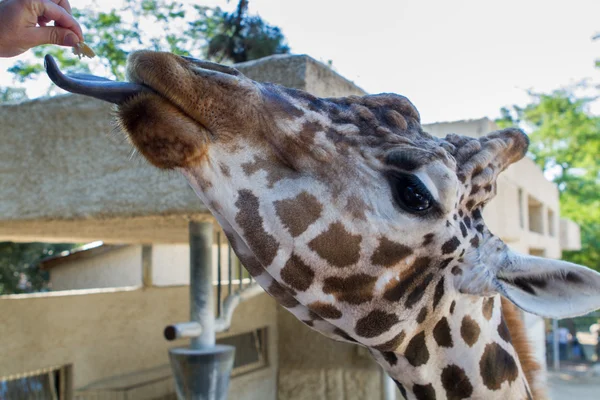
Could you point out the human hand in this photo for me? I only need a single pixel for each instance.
(24, 24)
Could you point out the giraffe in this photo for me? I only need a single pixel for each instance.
(363, 226)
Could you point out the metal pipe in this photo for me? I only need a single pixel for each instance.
(555, 348)
(201, 294)
(388, 386)
(230, 304)
(183, 329)
(219, 283)
(240, 276)
(229, 270)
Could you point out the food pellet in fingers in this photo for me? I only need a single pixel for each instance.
(82, 49)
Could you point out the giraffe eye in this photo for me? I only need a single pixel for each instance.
(410, 193)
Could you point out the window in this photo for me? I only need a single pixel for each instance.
(536, 217)
(551, 223)
(250, 351)
(521, 213)
(537, 252)
(50, 383)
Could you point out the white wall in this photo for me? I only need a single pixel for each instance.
(118, 268)
(170, 264)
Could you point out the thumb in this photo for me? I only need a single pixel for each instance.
(52, 35)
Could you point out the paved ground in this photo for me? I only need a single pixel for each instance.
(574, 385)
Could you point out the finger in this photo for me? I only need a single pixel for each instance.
(64, 4)
(50, 35)
(61, 18)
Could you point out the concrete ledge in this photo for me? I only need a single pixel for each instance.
(68, 173)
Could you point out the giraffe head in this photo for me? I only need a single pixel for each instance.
(363, 225)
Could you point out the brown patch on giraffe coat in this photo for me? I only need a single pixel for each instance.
(450, 246)
(308, 132)
(428, 239)
(497, 366)
(439, 292)
(275, 171)
(445, 262)
(355, 289)
(488, 307)
(470, 204)
(469, 330)
(417, 270)
(313, 316)
(225, 170)
(357, 207)
(467, 221)
(299, 213)
(503, 330)
(424, 392)
(416, 351)
(422, 315)
(463, 229)
(456, 383)
(452, 305)
(297, 274)
(337, 246)
(522, 346)
(252, 266)
(390, 357)
(392, 344)
(389, 253)
(263, 245)
(375, 323)
(214, 205)
(456, 270)
(324, 310)
(418, 291)
(474, 190)
(441, 333)
(282, 295)
(475, 241)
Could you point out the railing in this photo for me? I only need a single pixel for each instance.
(237, 286)
(43, 384)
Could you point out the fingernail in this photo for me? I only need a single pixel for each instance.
(71, 40)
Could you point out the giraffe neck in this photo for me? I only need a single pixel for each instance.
(466, 353)
(460, 350)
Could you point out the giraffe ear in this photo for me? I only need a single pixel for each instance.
(549, 288)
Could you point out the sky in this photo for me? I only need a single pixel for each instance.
(453, 59)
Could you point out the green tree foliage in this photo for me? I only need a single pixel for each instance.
(565, 143)
(19, 272)
(160, 25)
(12, 95)
(240, 37)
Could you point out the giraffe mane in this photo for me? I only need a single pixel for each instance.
(522, 345)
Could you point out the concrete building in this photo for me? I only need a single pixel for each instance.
(74, 181)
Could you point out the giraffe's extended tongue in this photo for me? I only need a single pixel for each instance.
(94, 86)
